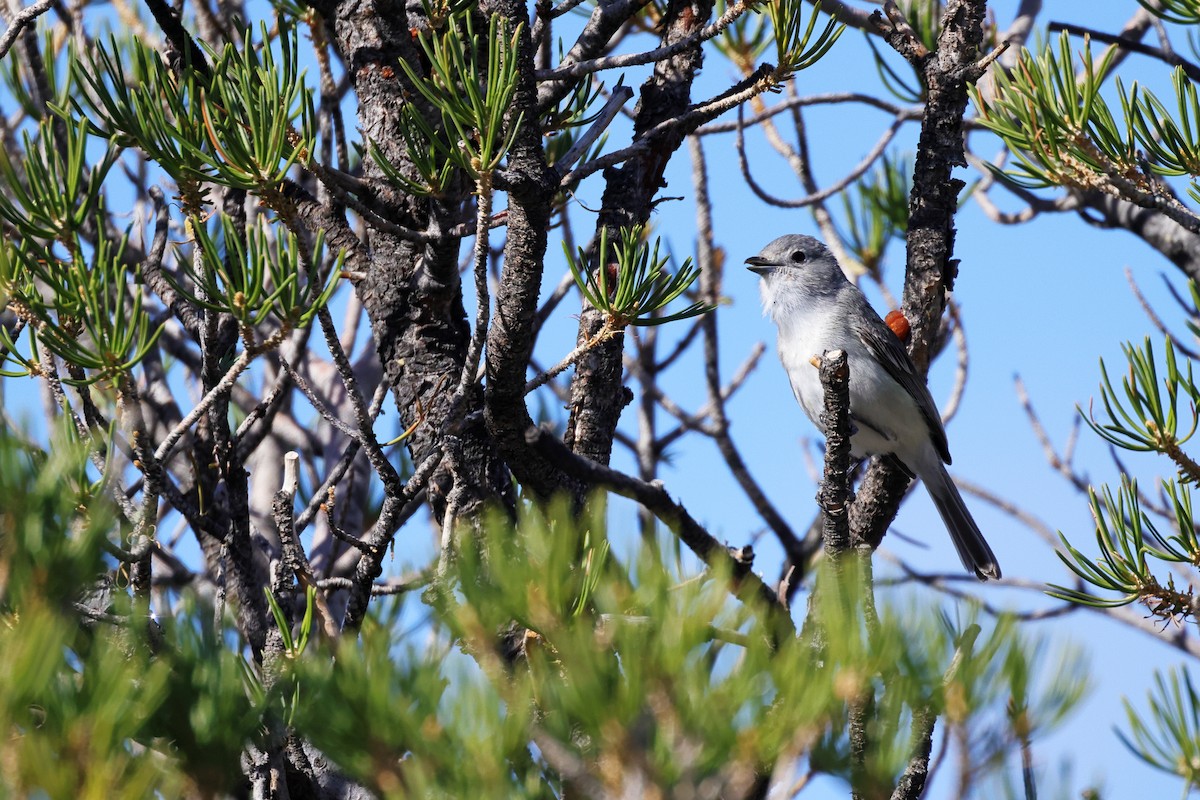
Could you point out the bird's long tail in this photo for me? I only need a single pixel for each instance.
(972, 548)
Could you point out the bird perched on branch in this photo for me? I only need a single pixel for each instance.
(818, 310)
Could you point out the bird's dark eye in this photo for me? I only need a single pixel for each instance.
(799, 257)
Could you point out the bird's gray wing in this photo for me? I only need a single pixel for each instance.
(890, 352)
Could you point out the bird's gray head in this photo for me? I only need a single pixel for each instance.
(795, 269)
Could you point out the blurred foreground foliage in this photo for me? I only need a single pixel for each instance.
(540, 659)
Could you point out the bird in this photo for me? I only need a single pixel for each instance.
(818, 310)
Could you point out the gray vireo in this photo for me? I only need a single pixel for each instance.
(891, 411)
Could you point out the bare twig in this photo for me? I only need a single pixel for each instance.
(581, 68)
(619, 97)
(834, 494)
(340, 468)
(1123, 41)
(710, 288)
(606, 331)
(1155, 320)
(362, 415)
(1061, 463)
(684, 124)
(654, 498)
(828, 98)
(961, 366)
(840, 185)
(224, 386)
(293, 558)
(20, 20)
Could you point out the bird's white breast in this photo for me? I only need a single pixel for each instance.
(888, 420)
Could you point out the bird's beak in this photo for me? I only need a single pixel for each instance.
(760, 265)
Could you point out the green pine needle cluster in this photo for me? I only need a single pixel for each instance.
(542, 658)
